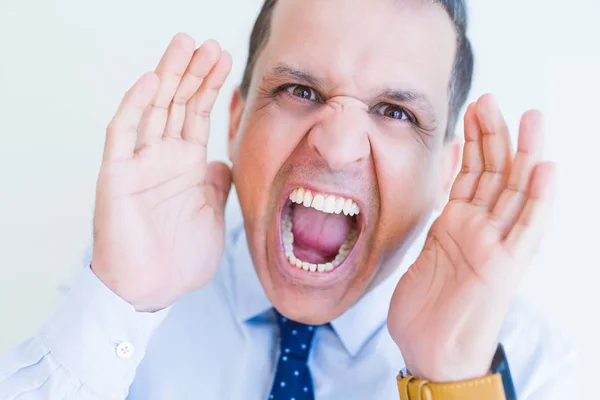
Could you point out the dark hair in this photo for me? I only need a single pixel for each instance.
(462, 74)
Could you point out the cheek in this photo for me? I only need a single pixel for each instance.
(267, 139)
(406, 178)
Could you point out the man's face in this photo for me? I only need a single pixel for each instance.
(347, 110)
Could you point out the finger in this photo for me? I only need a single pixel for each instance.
(217, 185)
(529, 150)
(197, 118)
(465, 184)
(170, 70)
(496, 153)
(203, 60)
(525, 236)
(121, 134)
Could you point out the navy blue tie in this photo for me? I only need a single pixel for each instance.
(292, 378)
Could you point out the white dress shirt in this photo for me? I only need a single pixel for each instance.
(221, 343)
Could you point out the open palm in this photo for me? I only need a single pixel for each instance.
(158, 223)
(448, 309)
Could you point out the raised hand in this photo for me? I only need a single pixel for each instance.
(448, 309)
(158, 223)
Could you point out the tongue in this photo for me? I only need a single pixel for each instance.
(320, 232)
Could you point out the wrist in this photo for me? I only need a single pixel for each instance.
(141, 298)
(445, 372)
(437, 365)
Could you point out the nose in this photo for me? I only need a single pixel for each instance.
(340, 136)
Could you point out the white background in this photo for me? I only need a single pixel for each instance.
(64, 65)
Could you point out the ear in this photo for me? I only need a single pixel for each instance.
(451, 160)
(236, 110)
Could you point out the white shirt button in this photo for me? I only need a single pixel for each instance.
(125, 350)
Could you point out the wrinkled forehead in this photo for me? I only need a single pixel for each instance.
(358, 46)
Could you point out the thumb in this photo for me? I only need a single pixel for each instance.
(217, 185)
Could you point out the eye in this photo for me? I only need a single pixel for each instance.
(395, 112)
(303, 92)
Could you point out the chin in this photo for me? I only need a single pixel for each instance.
(316, 254)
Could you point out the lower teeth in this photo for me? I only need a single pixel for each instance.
(288, 240)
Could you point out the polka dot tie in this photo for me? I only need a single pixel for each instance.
(292, 378)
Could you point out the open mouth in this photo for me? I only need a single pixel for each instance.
(318, 230)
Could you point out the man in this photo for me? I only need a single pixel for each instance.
(342, 145)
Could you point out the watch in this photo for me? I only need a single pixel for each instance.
(498, 385)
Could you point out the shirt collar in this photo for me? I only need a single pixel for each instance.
(354, 327)
(365, 318)
(249, 296)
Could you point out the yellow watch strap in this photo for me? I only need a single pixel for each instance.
(489, 388)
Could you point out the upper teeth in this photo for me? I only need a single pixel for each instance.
(323, 202)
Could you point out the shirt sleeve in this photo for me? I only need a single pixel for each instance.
(89, 349)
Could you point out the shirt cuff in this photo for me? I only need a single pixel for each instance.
(98, 336)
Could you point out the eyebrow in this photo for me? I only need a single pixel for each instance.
(284, 71)
(416, 100)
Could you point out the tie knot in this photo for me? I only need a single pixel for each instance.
(295, 338)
